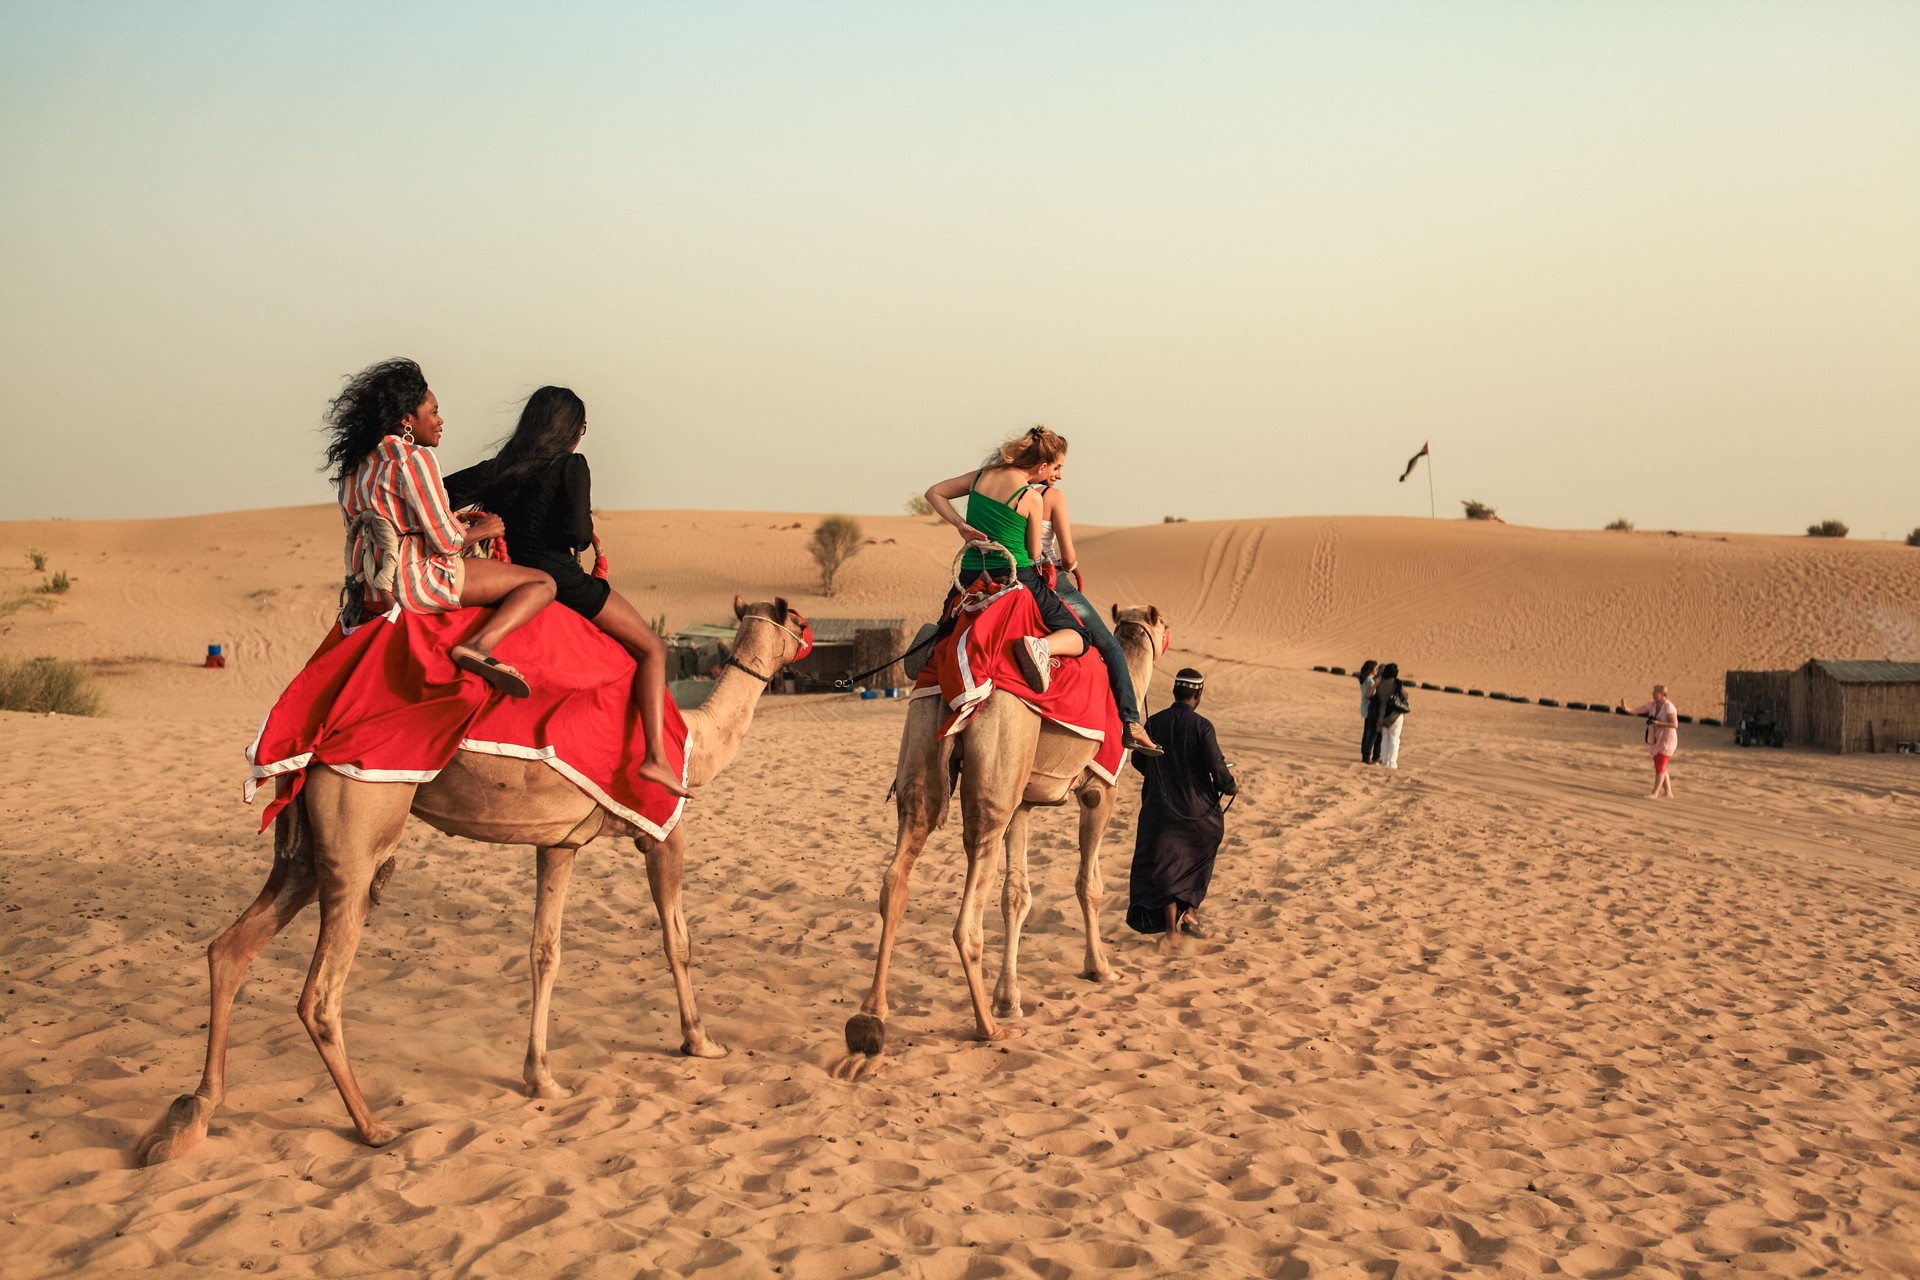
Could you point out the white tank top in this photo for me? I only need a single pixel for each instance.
(1049, 548)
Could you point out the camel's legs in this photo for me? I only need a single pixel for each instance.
(1016, 900)
(289, 890)
(1096, 811)
(355, 826)
(549, 905)
(921, 777)
(983, 860)
(665, 860)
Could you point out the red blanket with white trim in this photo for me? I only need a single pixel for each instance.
(386, 704)
(978, 657)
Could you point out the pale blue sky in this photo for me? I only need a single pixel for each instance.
(1652, 260)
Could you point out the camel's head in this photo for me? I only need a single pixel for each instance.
(787, 639)
(1158, 630)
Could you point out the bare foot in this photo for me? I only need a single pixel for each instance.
(1171, 944)
(657, 772)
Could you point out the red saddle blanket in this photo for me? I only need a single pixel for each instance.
(384, 703)
(977, 657)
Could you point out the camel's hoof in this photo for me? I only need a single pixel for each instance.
(991, 1035)
(1008, 1009)
(380, 1134)
(704, 1048)
(866, 1034)
(178, 1132)
(1102, 974)
(551, 1089)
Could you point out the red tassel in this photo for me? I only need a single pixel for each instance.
(599, 558)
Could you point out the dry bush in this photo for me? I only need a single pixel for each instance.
(918, 505)
(1913, 539)
(1173, 519)
(1828, 529)
(39, 559)
(1479, 510)
(1622, 525)
(836, 540)
(57, 585)
(41, 685)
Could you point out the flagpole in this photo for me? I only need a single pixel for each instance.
(1430, 511)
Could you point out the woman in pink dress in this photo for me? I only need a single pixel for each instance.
(384, 426)
(1663, 736)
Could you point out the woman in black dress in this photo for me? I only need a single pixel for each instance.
(539, 485)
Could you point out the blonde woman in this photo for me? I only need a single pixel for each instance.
(1003, 506)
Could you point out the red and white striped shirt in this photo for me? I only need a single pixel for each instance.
(401, 482)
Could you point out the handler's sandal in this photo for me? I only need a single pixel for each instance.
(1135, 739)
(1036, 664)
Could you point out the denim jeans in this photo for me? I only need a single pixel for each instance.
(1118, 677)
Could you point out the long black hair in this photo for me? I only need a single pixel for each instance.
(549, 426)
(369, 407)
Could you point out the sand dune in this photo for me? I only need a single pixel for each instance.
(1492, 1015)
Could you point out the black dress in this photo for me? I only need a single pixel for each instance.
(1180, 818)
(549, 520)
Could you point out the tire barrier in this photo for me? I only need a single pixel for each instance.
(1499, 697)
(1709, 722)
(1576, 706)
(1453, 688)
(1321, 670)
(1600, 710)
(1339, 671)
(1431, 688)
(1476, 693)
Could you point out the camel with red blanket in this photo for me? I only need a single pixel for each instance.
(334, 841)
(1013, 758)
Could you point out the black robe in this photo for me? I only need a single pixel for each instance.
(1181, 822)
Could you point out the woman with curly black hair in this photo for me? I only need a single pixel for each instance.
(384, 424)
(540, 485)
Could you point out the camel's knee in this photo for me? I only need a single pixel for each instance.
(321, 1018)
(544, 955)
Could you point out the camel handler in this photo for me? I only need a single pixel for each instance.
(1181, 821)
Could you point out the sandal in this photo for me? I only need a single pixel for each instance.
(492, 670)
(1134, 738)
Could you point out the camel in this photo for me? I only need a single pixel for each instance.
(335, 843)
(1012, 762)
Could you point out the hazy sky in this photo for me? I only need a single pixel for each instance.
(1658, 260)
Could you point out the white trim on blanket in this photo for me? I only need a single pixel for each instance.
(259, 773)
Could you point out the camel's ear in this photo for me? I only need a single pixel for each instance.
(1116, 614)
(780, 609)
(1153, 614)
(739, 607)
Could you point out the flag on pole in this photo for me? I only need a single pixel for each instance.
(1411, 462)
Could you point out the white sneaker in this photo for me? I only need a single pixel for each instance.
(1036, 664)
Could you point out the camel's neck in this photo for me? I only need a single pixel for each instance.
(719, 725)
(1139, 654)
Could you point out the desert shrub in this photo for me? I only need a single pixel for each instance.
(1173, 519)
(918, 505)
(47, 684)
(658, 625)
(39, 559)
(836, 540)
(1828, 529)
(1479, 510)
(57, 585)
(1622, 525)
(1913, 539)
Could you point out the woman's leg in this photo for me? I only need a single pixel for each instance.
(1369, 740)
(1119, 677)
(517, 593)
(1390, 743)
(622, 621)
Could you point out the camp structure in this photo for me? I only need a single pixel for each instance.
(1835, 705)
(841, 647)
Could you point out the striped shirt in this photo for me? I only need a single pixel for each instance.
(401, 483)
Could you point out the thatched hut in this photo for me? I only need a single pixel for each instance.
(1834, 705)
(1855, 706)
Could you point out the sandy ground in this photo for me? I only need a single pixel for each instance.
(1495, 1014)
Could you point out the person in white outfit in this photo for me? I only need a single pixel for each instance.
(1391, 697)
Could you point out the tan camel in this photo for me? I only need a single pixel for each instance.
(1012, 762)
(335, 843)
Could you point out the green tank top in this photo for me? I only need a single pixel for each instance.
(999, 521)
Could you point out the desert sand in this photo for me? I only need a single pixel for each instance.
(1494, 1014)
